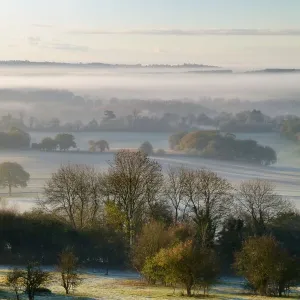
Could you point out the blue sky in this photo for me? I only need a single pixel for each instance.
(225, 32)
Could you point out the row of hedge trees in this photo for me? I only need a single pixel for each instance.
(63, 141)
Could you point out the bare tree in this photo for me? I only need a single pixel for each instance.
(68, 268)
(209, 200)
(74, 193)
(15, 281)
(133, 183)
(258, 203)
(174, 190)
(28, 280)
(33, 278)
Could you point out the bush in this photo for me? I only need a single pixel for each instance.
(68, 268)
(266, 266)
(42, 291)
(147, 148)
(175, 138)
(160, 152)
(184, 264)
(153, 237)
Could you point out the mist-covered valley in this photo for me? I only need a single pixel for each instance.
(47, 100)
(155, 83)
(45, 91)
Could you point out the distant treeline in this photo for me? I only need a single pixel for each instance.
(205, 143)
(137, 121)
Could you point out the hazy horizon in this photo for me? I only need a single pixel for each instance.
(151, 84)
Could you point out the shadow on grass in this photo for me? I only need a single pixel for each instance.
(9, 295)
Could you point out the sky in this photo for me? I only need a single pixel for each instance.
(240, 33)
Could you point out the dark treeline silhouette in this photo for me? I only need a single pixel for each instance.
(98, 64)
(35, 236)
(183, 227)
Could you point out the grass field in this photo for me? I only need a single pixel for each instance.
(96, 286)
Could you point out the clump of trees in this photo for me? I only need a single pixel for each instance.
(13, 175)
(14, 139)
(212, 144)
(248, 121)
(100, 145)
(174, 139)
(290, 128)
(62, 141)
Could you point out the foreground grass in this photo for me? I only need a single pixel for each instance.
(105, 288)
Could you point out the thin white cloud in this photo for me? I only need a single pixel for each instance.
(42, 25)
(55, 44)
(192, 32)
(34, 40)
(67, 47)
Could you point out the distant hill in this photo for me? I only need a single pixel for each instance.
(212, 71)
(98, 64)
(275, 71)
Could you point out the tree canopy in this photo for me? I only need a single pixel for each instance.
(65, 141)
(266, 266)
(147, 148)
(100, 145)
(13, 175)
(14, 139)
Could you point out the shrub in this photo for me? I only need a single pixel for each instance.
(161, 152)
(68, 268)
(42, 291)
(147, 148)
(183, 264)
(153, 237)
(266, 266)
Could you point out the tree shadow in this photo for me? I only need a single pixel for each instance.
(54, 296)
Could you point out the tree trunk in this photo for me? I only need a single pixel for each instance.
(30, 295)
(176, 216)
(189, 291)
(17, 296)
(9, 189)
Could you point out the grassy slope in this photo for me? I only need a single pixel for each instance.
(101, 287)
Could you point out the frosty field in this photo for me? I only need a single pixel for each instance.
(127, 286)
